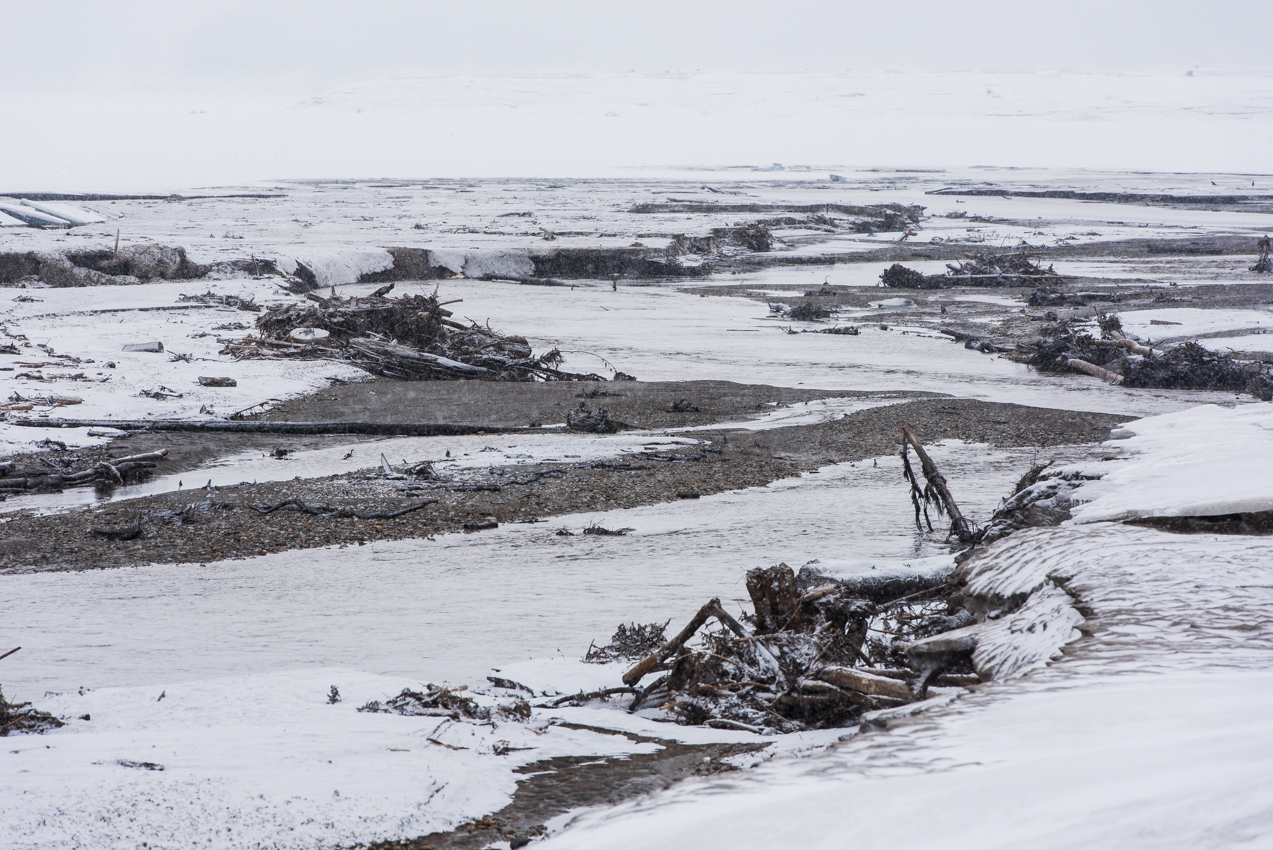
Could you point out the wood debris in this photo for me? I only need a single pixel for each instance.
(987, 268)
(18, 717)
(1069, 347)
(413, 337)
(79, 472)
(816, 652)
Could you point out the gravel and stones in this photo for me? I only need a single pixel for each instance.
(200, 526)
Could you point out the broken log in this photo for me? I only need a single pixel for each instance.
(935, 491)
(389, 429)
(865, 683)
(775, 597)
(1094, 370)
(1126, 344)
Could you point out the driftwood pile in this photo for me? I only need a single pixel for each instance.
(1118, 360)
(808, 311)
(411, 338)
(988, 268)
(78, 471)
(816, 653)
(17, 717)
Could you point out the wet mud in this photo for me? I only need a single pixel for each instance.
(558, 785)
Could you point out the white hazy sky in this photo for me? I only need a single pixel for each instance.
(143, 94)
(308, 44)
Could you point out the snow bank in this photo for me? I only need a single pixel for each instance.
(1181, 322)
(263, 760)
(1259, 342)
(76, 216)
(336, 267)
(1204, 461)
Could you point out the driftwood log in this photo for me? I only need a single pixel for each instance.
(935, 490)
(1094, 370)
(388, 429)
(105, 472)
(775, 597)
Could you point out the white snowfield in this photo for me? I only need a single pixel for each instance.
(1040, 756)
(520, 125)
(221, 750)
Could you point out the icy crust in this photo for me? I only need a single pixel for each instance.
(1205, 461)
(1029, 637)
(1015, 587)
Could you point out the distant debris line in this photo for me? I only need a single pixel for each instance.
(987, 268)
(1068, 347)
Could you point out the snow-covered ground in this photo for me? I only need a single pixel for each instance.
(1150, 731)
(1177, 649)
(244, 651)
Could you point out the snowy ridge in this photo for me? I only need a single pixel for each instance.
(336, 267)
(1029, 637)
(1205, 461)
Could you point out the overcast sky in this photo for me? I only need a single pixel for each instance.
(306, 45)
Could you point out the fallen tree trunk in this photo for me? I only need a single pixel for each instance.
(865, 683)
(389, 429)
(935, 491)
(111, 471)
(1094, 370)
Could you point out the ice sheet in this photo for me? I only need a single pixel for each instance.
(1187, 322)
(1205, 461)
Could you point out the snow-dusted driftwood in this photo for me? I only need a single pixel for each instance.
(1094, 370)
(410, 338)
(821, 654)
(652, 661)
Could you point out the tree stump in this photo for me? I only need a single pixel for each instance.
(776, 599)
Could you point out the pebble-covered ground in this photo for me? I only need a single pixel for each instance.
(221, 523)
